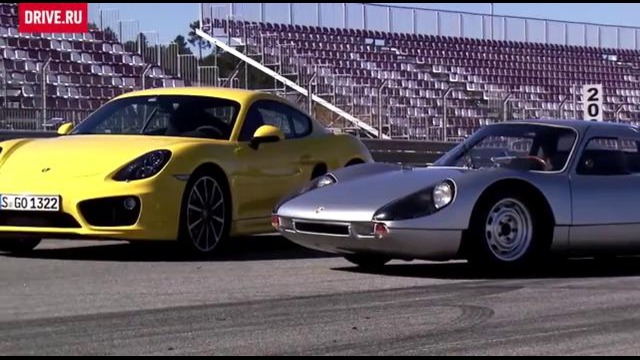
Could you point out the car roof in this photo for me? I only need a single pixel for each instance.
(579, 125)
(239, 95)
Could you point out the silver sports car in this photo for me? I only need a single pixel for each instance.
(511, 194)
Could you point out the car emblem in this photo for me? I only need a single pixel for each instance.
(319, 210)
(46, 170)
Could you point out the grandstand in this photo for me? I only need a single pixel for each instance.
(413, 82)
(81, 72)
(420, 77)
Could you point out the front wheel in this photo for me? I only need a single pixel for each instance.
(367, 261)
(206, 215)
(18, 245)
(508, 230)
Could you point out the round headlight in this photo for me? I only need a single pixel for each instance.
(325, 181)
(442, 194)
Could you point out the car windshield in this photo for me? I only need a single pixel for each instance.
(164, 115)
(516, 145)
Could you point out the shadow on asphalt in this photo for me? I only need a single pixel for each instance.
(568, 268)
(255, 248)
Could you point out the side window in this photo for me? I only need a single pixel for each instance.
(604, 156)
(278, 119)
(301, 124)
(290, 121)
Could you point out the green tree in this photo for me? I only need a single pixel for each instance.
(132, 45)
(109, 34)
(195, 39)
(183, 47)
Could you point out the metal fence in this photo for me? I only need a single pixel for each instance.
(417, 20)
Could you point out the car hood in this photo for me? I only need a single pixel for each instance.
(357, 198)
(75, 155)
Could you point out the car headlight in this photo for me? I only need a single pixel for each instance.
(442, 194)
(323, 181)
(421, 203)
(144, 167)
(317, 183)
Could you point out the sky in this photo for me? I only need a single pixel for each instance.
(172, 19)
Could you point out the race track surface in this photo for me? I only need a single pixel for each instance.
(267, 296)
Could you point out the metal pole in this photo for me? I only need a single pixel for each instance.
(382, 86)
(364, 16)
(345, 19)
(618, 111)
(444, 113)
(575, 101)
(560, 112)
(44, 90)
(491, 21)
(309, 94)
(414, 21)
(144, 75)
(291, 19)
(504, 107)
(246, 51)
(4, 85)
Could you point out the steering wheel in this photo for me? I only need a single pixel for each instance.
(540, 161)
(209, 129)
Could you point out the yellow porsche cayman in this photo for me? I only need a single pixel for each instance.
(192, 165)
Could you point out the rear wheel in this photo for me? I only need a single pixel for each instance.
(206, 215)
(368, 261)
(18, 245)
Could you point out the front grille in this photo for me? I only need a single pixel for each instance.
(37, 219)
(110, 211)
(320, 228)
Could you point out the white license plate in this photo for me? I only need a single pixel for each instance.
(30, 202)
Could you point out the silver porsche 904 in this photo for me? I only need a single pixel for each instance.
(512, 194)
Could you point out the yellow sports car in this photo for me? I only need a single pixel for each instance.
(192, 165)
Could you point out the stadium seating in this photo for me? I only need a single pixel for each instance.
(534, 80)
(84, 71)
(401, 81)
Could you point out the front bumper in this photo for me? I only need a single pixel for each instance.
(343, 237)
(156, 216)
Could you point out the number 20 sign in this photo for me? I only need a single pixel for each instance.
(592, 102)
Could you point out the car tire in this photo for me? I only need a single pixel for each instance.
(18, 246)
(508, 230)
(205, 216)
(368, 261)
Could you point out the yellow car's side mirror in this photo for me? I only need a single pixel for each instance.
(265, 134)
(65, 129)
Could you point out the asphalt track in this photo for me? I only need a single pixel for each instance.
(269, 297)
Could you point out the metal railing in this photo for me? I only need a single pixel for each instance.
(419, 20)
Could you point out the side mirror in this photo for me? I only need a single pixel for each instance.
(265, 134)
(65, 129)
